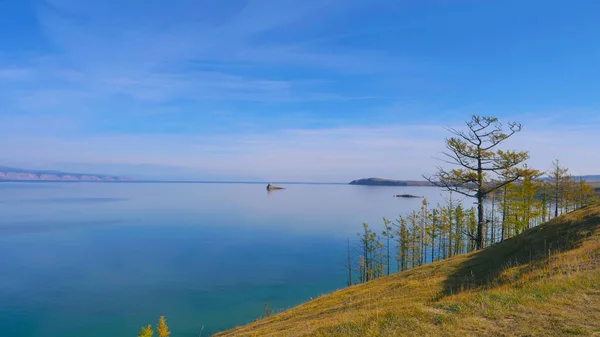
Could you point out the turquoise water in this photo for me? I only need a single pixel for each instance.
(103, 259)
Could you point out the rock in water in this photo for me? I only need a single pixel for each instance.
(406, 196)
(271, 187)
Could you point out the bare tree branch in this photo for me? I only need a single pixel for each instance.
(481, 169)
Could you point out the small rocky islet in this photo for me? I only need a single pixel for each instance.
(271, 187)
(407, 196)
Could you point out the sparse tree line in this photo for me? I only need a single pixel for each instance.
(510, 196)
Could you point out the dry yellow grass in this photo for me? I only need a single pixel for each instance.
(544, 282)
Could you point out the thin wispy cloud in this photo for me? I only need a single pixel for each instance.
(157, 52)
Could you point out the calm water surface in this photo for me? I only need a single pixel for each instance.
(103, 259)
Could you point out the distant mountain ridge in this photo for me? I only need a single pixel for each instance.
(389, 182)
(17, 174)
(589, 178)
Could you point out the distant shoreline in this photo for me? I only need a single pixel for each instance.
(170, 182)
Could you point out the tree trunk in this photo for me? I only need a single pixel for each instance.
(388, 254)
(441, 236)
(493, 234)
(480, 215)
(349, 265)
(556, 196)
(504, 214)
(432, 249)
(480, 223)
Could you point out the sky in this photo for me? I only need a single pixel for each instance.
(286, 90)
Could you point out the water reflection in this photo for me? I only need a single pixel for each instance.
(103, 259)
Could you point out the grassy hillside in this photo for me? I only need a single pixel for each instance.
(544, 282)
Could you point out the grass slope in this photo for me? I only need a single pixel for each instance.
(544, 282)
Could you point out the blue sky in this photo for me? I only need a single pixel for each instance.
(327, 90)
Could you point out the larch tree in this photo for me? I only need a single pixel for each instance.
(432, 231)
(380, 252)
(162, 328)
(387, 234)
(444, 227)
(559, 177)
(459, 228)
(349, 265)
(471, 224)
(146, 331)
(413, 241)
(423, 224)
(402, 243)
(569, 194)
(531, 186)
(368, 247)
(480, 166)
(448, 219)
(545, 202)
(585, 193)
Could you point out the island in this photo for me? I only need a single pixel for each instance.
(407, 196)
(389, 182)
(271, 187)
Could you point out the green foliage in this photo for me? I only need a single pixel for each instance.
(146, 331)
(426, 235)
(402, 242)
(369, 244)
(482, 168)
(268, 311)
(388, 234)
(162, 328)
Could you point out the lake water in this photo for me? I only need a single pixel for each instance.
(103, 259)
